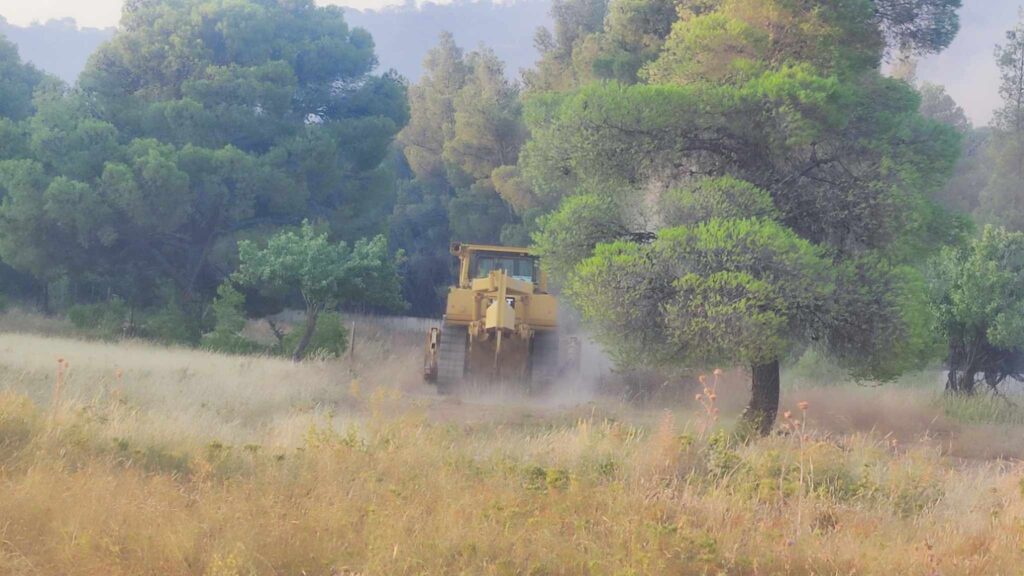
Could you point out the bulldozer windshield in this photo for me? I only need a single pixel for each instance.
(519, 267)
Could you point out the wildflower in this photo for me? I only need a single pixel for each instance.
(703, 378)
(717, 372)
(803, 405)
(698, 397)
(787, 415)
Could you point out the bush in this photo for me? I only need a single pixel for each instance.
(229, 314)
(171, 325)
(329, 340)
(103, 319)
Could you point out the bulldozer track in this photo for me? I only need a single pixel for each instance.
(451, 363)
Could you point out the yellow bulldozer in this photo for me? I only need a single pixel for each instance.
(500, 324)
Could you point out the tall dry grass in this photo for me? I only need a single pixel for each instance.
(164, 461)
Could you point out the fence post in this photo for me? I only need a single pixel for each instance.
(352, 343)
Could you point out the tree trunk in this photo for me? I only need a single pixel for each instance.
(954, 369)
(278, 333)
(764, 397)
(307, 336)
(44, 301)
(962, 382)
(962, 372)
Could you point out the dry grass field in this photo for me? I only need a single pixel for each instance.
(125, 458)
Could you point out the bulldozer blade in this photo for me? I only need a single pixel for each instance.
(498, 360)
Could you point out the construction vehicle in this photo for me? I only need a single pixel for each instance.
(500, 323)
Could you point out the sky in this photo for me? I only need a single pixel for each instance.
(104, 13)
(967, 68)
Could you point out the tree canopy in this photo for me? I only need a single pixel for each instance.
(199, 123)
(18, 80)
(462, 146)
(1001, 201)
(761, 127)
(978, 292)
(325, 274)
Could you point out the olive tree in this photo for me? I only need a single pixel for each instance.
(325, 274)
(721, 292)
(978, 293)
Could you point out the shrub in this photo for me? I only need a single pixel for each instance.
(329, 340)
(171, 325)
(104, 319)
(229, 315)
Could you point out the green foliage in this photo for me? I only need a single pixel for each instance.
(104, 319)
(330, 339)
(725, 197)
(461, 144)
(999, 202)
(918, 26)
(17, 82)
(419, 227)
(876, 313)
(488, 129)
(477, 214)
(68, 139)
(937, 105)
(740, 39)
(725, 291)
(200, 122)
(323, 273)
(432, 109)
(765, 188)
(979, 288)
(171, 324)
(228, 343)
(977, 291)
(569, 235)
(1010, 57)
(879, 323)
(229, 317)
(743, 39)
(635, 31)
(1000, 199)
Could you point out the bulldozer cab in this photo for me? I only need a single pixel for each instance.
(478, 261)
(518, 267)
